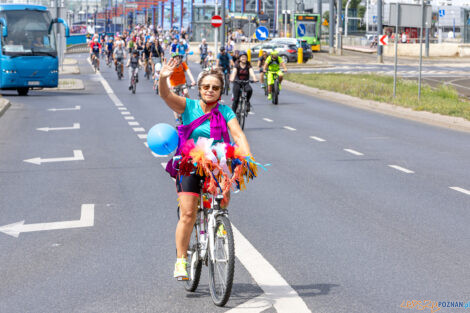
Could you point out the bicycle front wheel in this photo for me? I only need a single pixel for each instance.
(221, 269)
(194, 263)
(241, 115)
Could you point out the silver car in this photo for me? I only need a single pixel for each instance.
(287, 52)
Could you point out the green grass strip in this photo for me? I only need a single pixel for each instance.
(444, 99)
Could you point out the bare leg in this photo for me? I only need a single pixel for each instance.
(188, 213)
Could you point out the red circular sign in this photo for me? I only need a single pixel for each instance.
(216, 21)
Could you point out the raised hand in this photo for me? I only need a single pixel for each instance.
(168, 68)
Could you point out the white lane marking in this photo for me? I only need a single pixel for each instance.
(122, 109)
(267, 120)
(402, 169)
(277, 291)
(133, 123)
(77, 156)
(87, 219)
(353, 152)
(47, 129)
(251, 113)
(129, 118)
(139, 129)
(255, 305)
(283, 297)
(290, 128)
(317, 139)
(142, 136)
(76, 108)
(465, 191)
(125, 113)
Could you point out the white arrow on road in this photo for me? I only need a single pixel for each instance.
(46, 129)
(77, 156)
(77, 107)
(262, 34)
(87, 219)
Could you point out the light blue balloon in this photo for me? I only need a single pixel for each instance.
(191, 52)
(162, 139)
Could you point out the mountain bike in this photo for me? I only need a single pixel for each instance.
(265, 83)
(134, 80)
(226, 81)
(275, 89)
(242, 109)
(119, 67)
(148, 69)
(212, 244)
(94, 62)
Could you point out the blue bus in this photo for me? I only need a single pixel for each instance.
(28, 56)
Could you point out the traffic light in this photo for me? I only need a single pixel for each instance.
(149, 20)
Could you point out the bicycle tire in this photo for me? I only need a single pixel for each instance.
(220, 299)
(134, 86)
(276, 91)
(242, 113)
(193, 282)
(227, 84)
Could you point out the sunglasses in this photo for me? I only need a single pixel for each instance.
(214, 87)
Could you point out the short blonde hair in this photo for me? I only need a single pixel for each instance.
(212, 72)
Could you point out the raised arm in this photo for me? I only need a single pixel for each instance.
(175, 102)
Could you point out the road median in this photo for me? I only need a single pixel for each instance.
(440, 107)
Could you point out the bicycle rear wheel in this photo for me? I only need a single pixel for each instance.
(241, 113)
(222, 269)
(194, 264)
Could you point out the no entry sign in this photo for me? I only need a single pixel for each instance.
(216, 21)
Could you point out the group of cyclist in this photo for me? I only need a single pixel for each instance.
(146, 49)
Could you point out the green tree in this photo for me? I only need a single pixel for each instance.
(361, 11)
(326, 16)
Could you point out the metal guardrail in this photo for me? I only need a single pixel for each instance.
(79, 48)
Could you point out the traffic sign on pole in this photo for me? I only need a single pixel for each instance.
(216, 21)
(262, 33)
(301, 30)
(383, 40)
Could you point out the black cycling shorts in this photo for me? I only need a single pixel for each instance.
(190, 185)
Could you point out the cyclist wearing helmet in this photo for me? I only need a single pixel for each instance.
(178, 78)
(133, 64)
(224, 60)
(95, 49)
(242, 71)
(273, 63)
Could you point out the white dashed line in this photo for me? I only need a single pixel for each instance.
(465, 191)
(125, 113)
(402, 169)
(122, 109)
(317, 139)
(142, 136)
(290, 128)
(267, 120)
(133, 123)
(251, 113)
(129, 118)
(353, 152)
(139, 129)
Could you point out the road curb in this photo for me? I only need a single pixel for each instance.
(455, 123)
(4, 105)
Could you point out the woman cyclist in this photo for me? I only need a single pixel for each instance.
(242, 71)
(210, 85)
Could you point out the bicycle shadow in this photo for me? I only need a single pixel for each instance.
(245, 292)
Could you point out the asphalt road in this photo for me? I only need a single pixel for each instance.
(355, 230)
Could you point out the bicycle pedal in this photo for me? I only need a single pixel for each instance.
(182, 278)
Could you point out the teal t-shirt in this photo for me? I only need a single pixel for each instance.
(193, 111)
